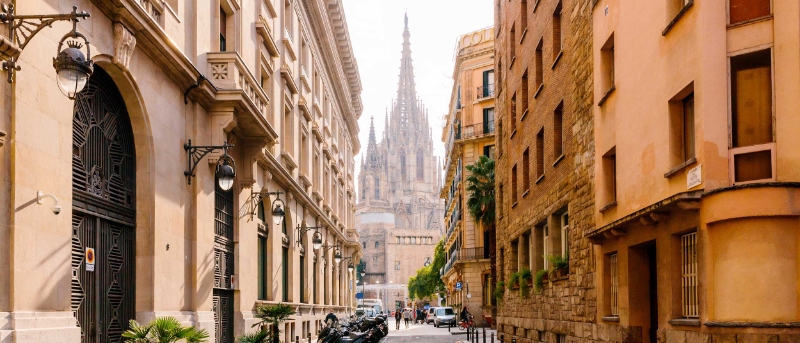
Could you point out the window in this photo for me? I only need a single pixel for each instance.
(377, 187)
(500, 200)
(545, 245)
(558, 132)
(752, 132)
(397, 240)
(377, 244)
(513, 112)
(524, 93)
(524, 251)
(287, 17)
(538, 252)
(285, 273)
(364, 245)
(420, 165)
(501, 265)
(558, 38)
(512, 36)
(538, 61)
(564, 234)
(262, 265)
(488, 84)
(488, 151)
(682, 136)
(403, 165)
(613, 284)
(561, 338)
(488, 120)
(540, 154)
(607, 65)
(302, 276)
(526, 170)
(314, 281)
(610, 176)
(514, 184)
(689, 302)
(523, 15)
(287, 131)
(397, 265)
(744, 10)
(223, 30)
(374, 260)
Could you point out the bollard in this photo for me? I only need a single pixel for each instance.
(468, 334)
(484, 334)
(492, 335)
(297, 339)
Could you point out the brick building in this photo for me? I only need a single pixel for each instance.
(545, 168)
(469, 133)
(399, 213)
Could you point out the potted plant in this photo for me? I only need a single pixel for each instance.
(254, 337)
(163, 330)
(538, 280)
(272, 316)
(560, 265)
(513, 281)
(525, 280)
(499, 290)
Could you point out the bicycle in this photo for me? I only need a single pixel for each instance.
(467, 324)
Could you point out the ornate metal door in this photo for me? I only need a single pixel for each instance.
(103, 226)
(223, 264)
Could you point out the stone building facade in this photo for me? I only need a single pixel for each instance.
(469, 133)
(275, 78)
(695, 128)
(545, 169)
(399, 213)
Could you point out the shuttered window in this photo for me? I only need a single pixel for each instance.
(614, 284)
(689, 300)
(744, 10)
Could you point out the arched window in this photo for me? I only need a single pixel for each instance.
(377, 244)
(403, 165)
(377, 187)
(420, 165)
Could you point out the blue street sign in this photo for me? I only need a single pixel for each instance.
(359, 295)
(458, 285)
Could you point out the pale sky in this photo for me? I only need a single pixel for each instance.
(376, 31)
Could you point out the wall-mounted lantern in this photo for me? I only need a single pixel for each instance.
(316, 240)
(277, 206)
(73, 68)
(226, 167)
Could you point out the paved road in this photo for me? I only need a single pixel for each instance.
(422, 333)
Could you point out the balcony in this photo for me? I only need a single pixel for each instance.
(485, 92)
(289, 44)
(236, 84)
(154, 8)
(455, 218)
(475, 130)
(265, 31)
(473, 254)
(450, 262)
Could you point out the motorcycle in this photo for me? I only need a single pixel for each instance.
(370, 332)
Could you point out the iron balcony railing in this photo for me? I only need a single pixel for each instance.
(451, 194)
(455, 217)
(449, 264)
(477, 253)
(475, 130)
(486, 91)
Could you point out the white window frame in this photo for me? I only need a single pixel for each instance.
(564, 233)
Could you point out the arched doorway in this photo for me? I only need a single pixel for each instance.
(103, 212)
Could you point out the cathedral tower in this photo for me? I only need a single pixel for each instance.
(399, 211)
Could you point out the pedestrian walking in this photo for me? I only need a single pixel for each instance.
(407, 316)
(398, 316)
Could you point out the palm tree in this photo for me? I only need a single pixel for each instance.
(481, 201)
(273, 316)
(163, 330)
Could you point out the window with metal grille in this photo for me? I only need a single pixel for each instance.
(689, 302)
(285, 274)
(614, 284)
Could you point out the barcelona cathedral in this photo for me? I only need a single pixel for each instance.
(399, 213)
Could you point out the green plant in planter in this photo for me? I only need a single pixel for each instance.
(524, 276)
(499, 290)
(513, 280)
(163, 330)
(254, 337)
(274, 316)
(538, 280)
(559, 262)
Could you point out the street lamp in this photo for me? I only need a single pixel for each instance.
(316, 240)
(226, 167)
(73, 68)
(277, 210)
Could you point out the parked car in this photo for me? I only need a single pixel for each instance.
(429, 318)
(444, 316)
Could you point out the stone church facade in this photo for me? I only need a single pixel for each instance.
(399, 211)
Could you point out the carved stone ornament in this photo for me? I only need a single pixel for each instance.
(124, 43)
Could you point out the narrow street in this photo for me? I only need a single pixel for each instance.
(423, 333)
